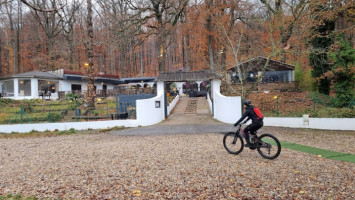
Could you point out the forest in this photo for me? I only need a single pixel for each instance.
(133, 38)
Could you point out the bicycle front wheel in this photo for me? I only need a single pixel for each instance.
(233, 143)
(269, 146)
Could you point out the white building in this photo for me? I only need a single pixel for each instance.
(38, 84)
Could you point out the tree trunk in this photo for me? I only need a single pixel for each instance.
(141, 58)
(209, 42)
(162, 52)
(90, 55)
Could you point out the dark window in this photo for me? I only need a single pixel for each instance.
(75, 87)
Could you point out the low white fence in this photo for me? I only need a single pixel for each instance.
(41, 127)
(173, 104)
(312, 123)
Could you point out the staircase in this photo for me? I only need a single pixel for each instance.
(191, 107)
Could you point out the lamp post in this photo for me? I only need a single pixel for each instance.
(277, 105)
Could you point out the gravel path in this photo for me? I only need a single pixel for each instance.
(179, 166)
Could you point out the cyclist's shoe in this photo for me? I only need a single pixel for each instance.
(249, 145)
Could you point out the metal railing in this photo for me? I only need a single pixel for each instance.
(109, 92)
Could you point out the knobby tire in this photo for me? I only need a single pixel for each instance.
(233, 143)
(270, 147)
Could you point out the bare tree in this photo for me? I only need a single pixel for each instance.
(123, 32)
(51, 23)
(158, 16)
(285, 15)
(234, 38)
(14, 12)
(68, 19)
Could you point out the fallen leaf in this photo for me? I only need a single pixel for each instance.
(137, 193)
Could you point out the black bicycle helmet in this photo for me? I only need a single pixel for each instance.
(247, 102)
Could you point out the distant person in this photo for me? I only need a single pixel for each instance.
(256, 117)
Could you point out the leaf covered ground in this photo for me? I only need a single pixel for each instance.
(104, 166)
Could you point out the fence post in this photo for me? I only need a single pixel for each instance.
(314, 106)
(21, 114)
(49, 112)
(107, 110)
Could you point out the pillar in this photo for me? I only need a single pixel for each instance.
(34, 88)
(15, 88)
(179, 86)
(160, 88)
(198, 85)
(215, 87)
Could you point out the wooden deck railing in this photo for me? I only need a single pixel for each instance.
(109, 93)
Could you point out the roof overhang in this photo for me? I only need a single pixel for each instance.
(34, 74)
(138, 80)
(258, 63)
(71, 77)
(181, 76)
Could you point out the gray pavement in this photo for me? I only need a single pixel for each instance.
(182, 121)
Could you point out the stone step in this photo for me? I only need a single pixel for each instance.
(191, 107)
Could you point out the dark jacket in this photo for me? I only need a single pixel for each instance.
(251, 115)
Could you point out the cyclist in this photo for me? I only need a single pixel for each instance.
(256, 117)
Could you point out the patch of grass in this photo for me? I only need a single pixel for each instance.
(17, 197)
(48, 133)
(56, 132)
(116, 128)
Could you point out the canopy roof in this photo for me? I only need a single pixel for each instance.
(258, 63)
(180, 76)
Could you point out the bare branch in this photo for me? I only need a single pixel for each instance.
(54, 9)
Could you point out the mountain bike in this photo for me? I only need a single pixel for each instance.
(267, 145)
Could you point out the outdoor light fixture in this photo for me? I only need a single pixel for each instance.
(102, 83)
(157, 104)
(21, 82)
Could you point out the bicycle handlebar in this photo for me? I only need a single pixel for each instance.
(240, 124)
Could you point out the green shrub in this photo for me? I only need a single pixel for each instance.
(321, 99)
(28, 108)
(5, 101)
(54, 117)
(71, 97)
(336, 112)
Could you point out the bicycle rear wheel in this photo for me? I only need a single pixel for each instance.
(233, 143)
(268, 146)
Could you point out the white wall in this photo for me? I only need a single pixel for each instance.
(147, 113)
(66, 85)
(313, 123)
(25, 128)
(226, 109)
